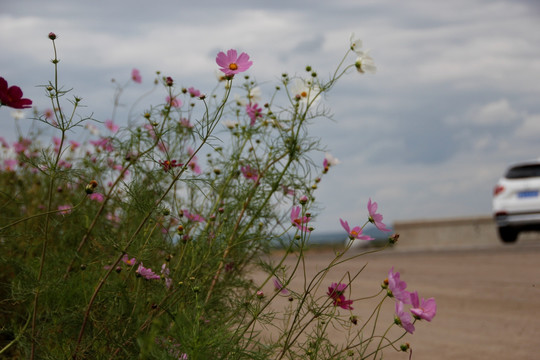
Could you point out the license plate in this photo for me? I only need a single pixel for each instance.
(528, 194)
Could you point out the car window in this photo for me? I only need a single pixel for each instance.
(523, 171)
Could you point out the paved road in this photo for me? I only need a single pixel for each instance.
(488, 298)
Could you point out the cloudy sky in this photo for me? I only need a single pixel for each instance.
(456, 97)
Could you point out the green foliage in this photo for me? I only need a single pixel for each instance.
(122, 247)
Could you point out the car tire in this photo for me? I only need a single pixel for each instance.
(508, 234)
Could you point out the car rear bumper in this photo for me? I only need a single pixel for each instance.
(525, 220)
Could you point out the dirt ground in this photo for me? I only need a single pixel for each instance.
(488, 298)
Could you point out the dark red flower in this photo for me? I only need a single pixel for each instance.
(12, 96)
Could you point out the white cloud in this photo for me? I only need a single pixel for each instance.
(499, 112)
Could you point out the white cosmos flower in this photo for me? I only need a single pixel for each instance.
(305, 91)
(94, 130)
(364, 63)
(18, 114)
(331, 160)
(254, 94)
(240, 100)
(230, 124)
(356, 44)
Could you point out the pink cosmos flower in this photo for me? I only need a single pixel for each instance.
(74, 145)
(168, 165)
(425, 309)
(64, 209)
(129, 261)
(194, 92)
(49, 114)
(250, 173)
(231, 63)
(136, 76)
(103, 143)
(299, 221)
(335, 291)
(193, 163)
(396, 287)
(355, 233)
(12, 96)
(280, 287)
(57, 141)
(174, 102)
(184, 122)
(10, 164)
(375, 218)
(65, 164)
(192, 216)
(96, 197)
(111, 126)
(146, 273)
(403, 318)
(22, 145)
(254, 112)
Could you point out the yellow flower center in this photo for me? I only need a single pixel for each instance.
(354, 233)
(233, 66)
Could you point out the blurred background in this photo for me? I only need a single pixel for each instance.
(454, 101)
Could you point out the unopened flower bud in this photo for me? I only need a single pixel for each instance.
(405, 347)
(83, 266)
(180, 229)
(393, 239)
(52, 36)
(260, 294)
(354, 319)
(91, 186)
(169, 81)
(303, 200)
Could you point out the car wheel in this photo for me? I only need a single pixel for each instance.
(508, 234)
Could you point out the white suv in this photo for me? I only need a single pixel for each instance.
(516, 200)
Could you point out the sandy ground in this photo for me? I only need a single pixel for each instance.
(488, 298)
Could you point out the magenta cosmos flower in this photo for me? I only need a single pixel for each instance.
(355, 233)
(375, 218)
(335, 291)
(423, 309)
(299, 221)
(146, 273)
(280, 287)
(12, 96)
(254, 112)
(403, 318)
(396, 287)
(231, 63)
(194, 92)
(136, 76)
(129, 261)
(250, 173)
